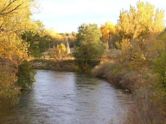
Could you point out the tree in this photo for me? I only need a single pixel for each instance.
(38, 39)
(89, 47)
(12, 48)
(140, 27)
(107, 30)
(38, 42)
(88, 34)
(140, 22)
(14, 19)
(14, 15)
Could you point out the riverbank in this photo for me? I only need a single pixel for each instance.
(114, 74)
(147, 94)
(65, 65)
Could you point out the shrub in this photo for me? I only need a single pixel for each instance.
(25, 75)
(88, 55)
(160, 69)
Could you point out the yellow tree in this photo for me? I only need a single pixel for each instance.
(107, 30)
(14, 15)
(58, 52)
(139, 22)
(14, 18)
(140, 26)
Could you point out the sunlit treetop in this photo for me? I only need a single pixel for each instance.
(14, 19)
(140, 21)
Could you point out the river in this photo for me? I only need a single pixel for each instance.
(69, 98)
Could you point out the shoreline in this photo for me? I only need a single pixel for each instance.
(65, 65)
(70, 66)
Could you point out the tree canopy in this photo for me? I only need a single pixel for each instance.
(140, 21)
(89, 47)
(108, 30)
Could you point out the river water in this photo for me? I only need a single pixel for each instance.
(69, 98)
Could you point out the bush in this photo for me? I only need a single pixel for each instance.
(160, 68)
(88, 55)
(25, 75)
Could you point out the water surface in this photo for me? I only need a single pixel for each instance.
(69, 98)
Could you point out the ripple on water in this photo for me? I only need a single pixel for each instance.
(69, 98)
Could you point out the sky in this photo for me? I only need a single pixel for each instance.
(68, 15)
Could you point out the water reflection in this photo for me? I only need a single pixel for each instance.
(69, 98)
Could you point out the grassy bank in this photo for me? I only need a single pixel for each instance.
(146, 88)
(122, 76)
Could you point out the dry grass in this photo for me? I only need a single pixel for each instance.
(149, 106)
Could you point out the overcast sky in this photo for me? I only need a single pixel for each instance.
(67, 15)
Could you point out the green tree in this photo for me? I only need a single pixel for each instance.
(38, 39)
(88, 34)
(89, 47)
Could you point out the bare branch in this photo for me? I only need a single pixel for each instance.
(8, 6)
(3, 13)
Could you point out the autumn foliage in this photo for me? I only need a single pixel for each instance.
(14, 19)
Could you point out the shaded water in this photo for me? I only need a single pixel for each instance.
(69, 98)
